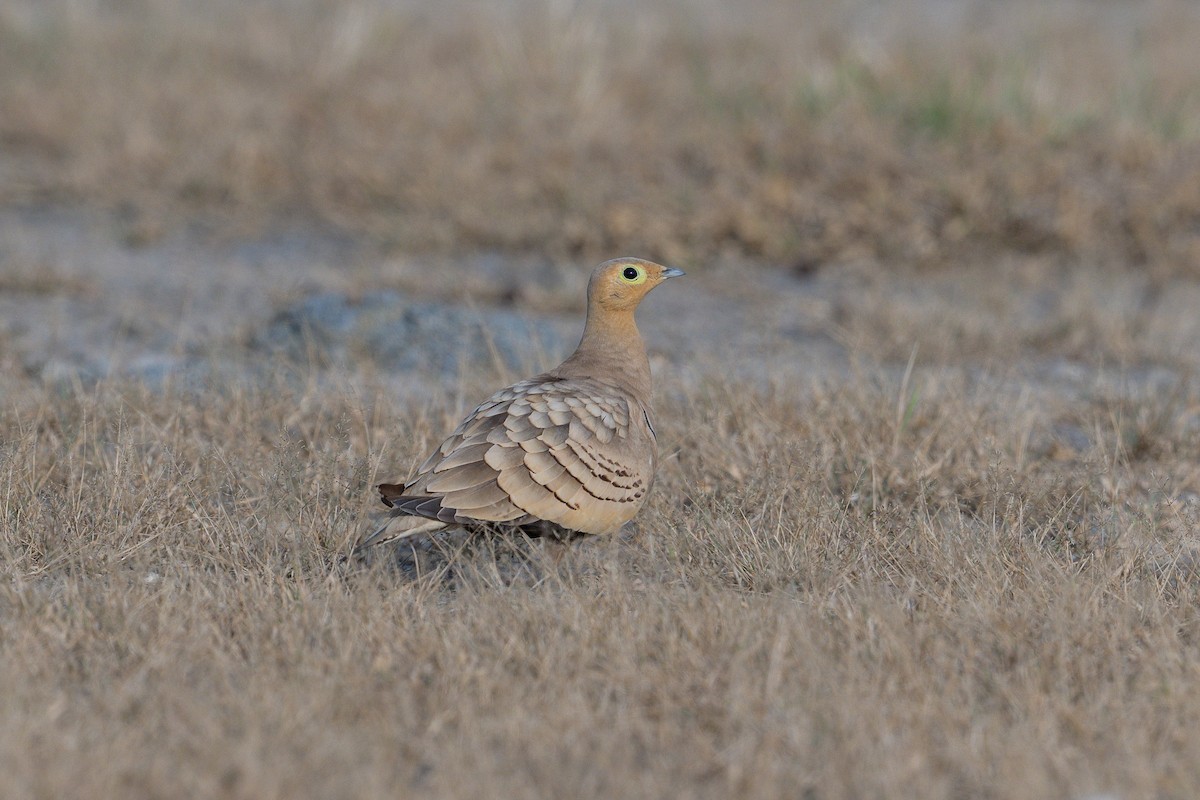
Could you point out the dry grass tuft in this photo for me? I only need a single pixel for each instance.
(860, 591)
(797, 134)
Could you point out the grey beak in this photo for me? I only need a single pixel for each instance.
(671, 272)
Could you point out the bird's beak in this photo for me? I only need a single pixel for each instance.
(671, 272)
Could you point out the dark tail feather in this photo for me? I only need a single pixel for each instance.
(389, 492)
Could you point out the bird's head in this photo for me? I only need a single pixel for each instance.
(620, 284)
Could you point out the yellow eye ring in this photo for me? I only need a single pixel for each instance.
(633, 275)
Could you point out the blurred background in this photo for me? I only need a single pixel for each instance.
(976, 179)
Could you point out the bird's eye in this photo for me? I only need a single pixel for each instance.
(634, 275)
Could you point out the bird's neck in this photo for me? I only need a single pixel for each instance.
(612, 347)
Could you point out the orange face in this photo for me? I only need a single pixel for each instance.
(621, 284)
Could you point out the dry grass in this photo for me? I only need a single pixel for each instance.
(1017, 310)
(858, 591)
(801, 134)
(977, 577)
(20, 277)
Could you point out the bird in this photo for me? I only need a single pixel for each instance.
(572, 449)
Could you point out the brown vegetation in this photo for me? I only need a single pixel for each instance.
(859, 592)
(796, 133)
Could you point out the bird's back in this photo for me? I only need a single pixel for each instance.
(579, 453)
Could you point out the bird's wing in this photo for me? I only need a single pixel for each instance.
(578, 453)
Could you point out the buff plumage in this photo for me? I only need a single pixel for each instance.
(574, 446)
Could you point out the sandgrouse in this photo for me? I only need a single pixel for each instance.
(573, 447)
